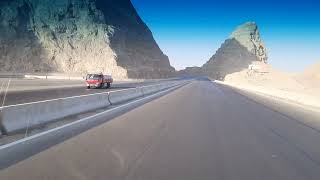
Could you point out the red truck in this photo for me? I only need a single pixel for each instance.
(98, 81)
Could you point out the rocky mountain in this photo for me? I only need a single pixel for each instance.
(248, 35)
(243, 48)
(78, 36)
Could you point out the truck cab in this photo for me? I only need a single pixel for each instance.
(98, 81)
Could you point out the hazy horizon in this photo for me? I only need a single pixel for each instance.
(191, 32)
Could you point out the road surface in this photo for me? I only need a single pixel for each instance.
(25, 91)
(200, 131)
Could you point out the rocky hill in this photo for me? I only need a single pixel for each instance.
(243, 48)
(78, 36)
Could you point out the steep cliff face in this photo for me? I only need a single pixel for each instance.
(243, 48)
(78, 36)
(133, 42)
(19, 46)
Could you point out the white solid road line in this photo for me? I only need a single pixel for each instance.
(81, 120)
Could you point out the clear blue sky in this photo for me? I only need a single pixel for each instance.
(190, 31)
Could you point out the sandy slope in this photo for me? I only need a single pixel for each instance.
(301, 87)
(310, 78)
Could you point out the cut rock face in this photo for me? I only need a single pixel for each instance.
(243, 48)
(78, 36)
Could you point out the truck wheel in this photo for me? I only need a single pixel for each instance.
(108, 85)
(88, 87)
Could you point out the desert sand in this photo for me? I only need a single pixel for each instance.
(302, 88)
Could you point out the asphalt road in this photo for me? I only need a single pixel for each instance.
(25, 91)
(200, 131)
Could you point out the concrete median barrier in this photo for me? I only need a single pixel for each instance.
(155, 88)
(149, 89)
(121, 96)
(16, 118)
(19, 117)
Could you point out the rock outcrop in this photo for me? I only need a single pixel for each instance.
(243, 49)
(248, 35)
(78, 36)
